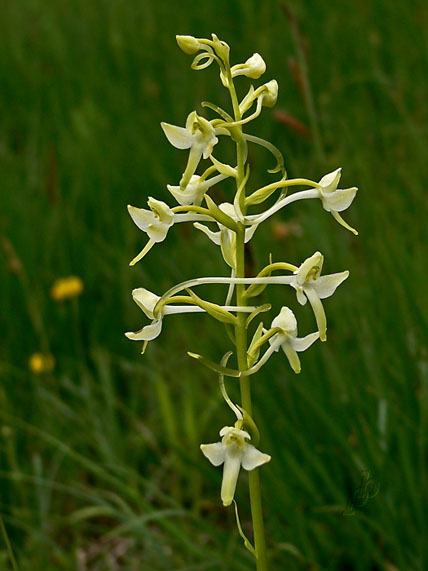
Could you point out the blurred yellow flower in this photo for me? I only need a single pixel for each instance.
(66, 288)
(41, 363)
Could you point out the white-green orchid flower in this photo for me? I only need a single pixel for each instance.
(195, 190)
(198, 135)
(334, 199)
(287, 338)
(146, 300)
(310, 285)
(155, 222)
(158, 220)
(226, 238)
(233, 451)
(282, 333)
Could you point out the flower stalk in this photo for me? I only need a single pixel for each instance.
(241, 339)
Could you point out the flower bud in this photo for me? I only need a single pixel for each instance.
(271, 93)
(256, 66)
(188, 44)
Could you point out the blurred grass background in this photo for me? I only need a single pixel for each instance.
(100, 465)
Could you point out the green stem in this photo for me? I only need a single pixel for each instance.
(241, 343)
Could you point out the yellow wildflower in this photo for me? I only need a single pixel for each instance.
(66, 288)
(41, 363)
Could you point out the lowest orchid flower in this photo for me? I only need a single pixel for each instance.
(233, 451)
(198, 135)
(309, 284)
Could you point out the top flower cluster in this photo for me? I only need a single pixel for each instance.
(200, 136)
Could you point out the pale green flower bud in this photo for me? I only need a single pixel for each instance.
(188, 44)
(254, 67)
(270, 94)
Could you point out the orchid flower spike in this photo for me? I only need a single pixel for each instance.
(195, 190)
(334, 199)
(287, 339)
(198, 135)
(226, 238)
(233, 451)
(310, 285)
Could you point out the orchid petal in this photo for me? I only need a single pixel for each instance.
(192, 164)
(313, 262)
(318, 310)
(157, 232)
(286, 320)
(141, 217)
(232, 465)
(330, 181)
(234, 431)
(302, 343)
(213, 236)
(147, 333)
(146, 300)
(143, 252)
(214, 452)
(249, 232)
(253, 458)
(342, 222)
(339, 200)
(179, 137)
(325, 286)
(292, 356)
(301, 297)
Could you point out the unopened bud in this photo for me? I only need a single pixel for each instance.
(270, 94)
(188, 44)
